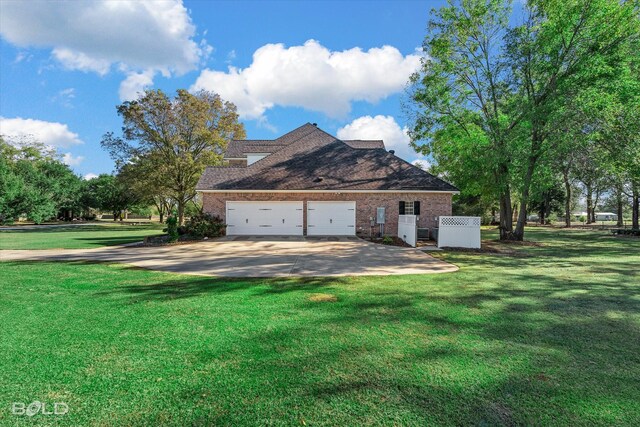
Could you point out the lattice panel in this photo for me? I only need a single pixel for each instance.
(459, 221)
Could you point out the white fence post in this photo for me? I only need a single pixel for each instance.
(408, 229)
(459, 232)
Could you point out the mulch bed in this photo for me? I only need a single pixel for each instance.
(396, 241)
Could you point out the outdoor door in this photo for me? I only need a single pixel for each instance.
(331, 218)
(264, 218)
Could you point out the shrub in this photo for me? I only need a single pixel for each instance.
(172, 228)
(387, 240)
(582, 218)
(628, 232)
(204, 225)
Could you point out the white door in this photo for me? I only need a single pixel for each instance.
(331, 218)
(264, 218)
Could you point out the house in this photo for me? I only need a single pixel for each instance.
(308, 182)
(600, 216)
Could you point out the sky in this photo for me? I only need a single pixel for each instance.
(65, 66)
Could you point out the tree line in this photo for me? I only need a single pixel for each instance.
(166, 144)
(36, 185)
(516, 107)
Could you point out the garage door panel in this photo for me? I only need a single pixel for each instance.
(264, 218)
(331, 218)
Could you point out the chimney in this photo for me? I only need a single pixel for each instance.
(315, 124)
(392, 151)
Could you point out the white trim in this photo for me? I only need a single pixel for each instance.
(234, 158)
(329, 191)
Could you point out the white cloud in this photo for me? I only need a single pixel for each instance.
(80, 61)
(23, 56)
(65, 97)
(381, 127)
(52, 134)
(70, 160)
(93, 36)
(134, 84)
(89, 176)
(231, 56)
(311, 76)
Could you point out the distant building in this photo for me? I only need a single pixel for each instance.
(600, 216)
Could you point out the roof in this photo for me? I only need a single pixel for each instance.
(359, 143)
(311, 159)
(241, 147)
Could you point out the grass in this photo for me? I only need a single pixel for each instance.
(77, 237)
(546, 336)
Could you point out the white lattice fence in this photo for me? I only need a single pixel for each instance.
(408, 229)
(459, 232)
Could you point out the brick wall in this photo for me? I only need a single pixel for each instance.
(431, 205)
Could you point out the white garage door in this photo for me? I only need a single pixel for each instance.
(264, 218)
(331, 218)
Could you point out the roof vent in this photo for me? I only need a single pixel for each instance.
(319, 179)
(315, 124)
(392, 151)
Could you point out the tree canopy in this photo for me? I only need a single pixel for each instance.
(34, 183)
(172, 140)
(491, 95)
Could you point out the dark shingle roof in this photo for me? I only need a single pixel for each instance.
(311, 159)
(361, 143)
(240, 147)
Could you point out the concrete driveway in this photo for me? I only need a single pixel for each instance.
(258, 257)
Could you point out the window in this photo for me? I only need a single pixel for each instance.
(408, 208)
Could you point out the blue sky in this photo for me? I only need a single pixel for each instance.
(65, 66)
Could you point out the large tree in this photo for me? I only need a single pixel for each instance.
(34, 182)
(109, 193)
(145, 178)
(486, 94)
(180, 136)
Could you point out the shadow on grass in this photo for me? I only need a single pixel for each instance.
(115, 227)
(557, 350)
(115, 241)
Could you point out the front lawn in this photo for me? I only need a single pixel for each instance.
(546, 336)
(77, 236)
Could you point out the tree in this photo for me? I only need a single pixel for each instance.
(34, 182)
(179, 136)
(489, 91)
(109, 193)
(146, 180)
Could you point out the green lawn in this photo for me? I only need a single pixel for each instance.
(549, 335)
(77, 236)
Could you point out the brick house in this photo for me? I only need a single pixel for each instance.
(308, 182)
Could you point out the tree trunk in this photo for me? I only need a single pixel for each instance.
(522, 217)
(181, 212)
(567, 202)
(596, 200)
(635, 209)
(589, 203)
(619, 223)
(506, 220)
